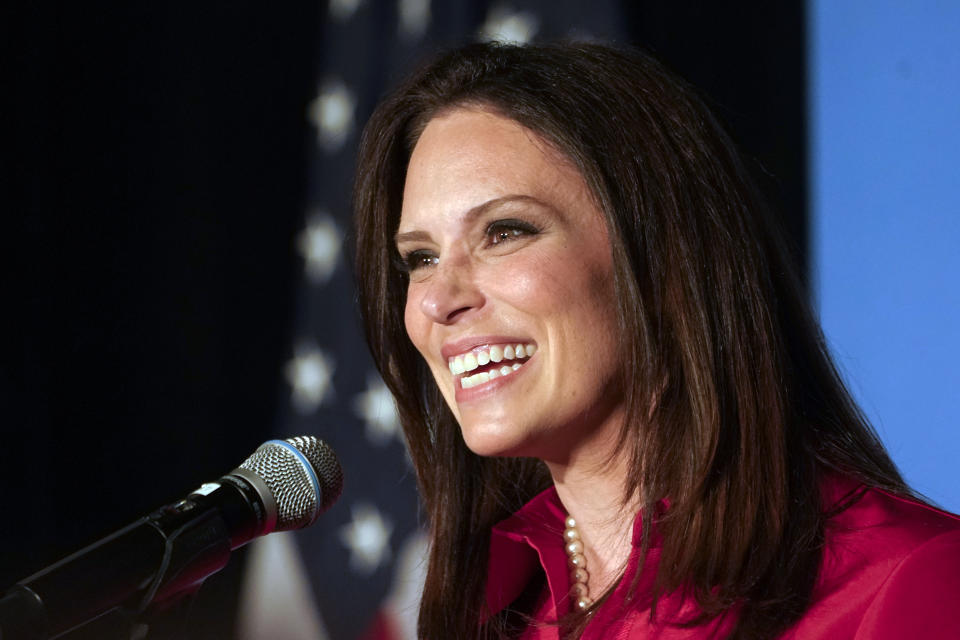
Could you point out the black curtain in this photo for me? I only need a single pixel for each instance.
(156, 180)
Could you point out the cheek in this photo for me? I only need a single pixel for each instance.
(561, 283)
(536, 278)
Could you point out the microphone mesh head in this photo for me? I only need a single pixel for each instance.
(289, 481)
(326, 465)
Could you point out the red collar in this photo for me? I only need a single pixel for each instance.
(531, 540)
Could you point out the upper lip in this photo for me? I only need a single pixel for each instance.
(460, 346)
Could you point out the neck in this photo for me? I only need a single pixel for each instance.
(591, 487)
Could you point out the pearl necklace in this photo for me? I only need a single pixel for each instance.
(578, 565)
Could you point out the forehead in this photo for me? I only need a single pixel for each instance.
(467, 156)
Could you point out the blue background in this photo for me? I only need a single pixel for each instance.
(885, 220)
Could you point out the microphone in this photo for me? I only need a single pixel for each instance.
(153, 562)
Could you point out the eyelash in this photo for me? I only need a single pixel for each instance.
(506, 230)
(496, 233)
(414, 260)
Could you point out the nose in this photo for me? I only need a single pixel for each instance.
(451, 293)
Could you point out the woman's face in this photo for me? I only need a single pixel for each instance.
(511, 298)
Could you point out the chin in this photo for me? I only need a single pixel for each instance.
(498, 441)
(489, 442)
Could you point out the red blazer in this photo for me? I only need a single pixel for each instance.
(891, 569)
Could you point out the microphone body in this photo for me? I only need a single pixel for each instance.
(159, 558)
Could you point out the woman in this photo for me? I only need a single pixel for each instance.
(599, 352)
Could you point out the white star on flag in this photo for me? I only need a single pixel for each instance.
(332, 113)
(320, 246)
(342, 9)
(379, 411)
(366, 536)
(414, 18)
(506, 25)
(309, 373)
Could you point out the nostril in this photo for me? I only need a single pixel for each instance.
(453, 315)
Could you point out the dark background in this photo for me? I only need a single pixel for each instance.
(155, 177)
(156, 182)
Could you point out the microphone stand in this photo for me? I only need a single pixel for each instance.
(155, 562)
(193, 541)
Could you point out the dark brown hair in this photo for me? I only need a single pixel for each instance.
(748, 410)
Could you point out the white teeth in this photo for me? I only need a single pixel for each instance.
(472, 381)
(470, 362)
(468, 382)
(497, 353)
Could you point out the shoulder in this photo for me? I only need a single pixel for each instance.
(873, 525)
(891, 565)
(920, 595)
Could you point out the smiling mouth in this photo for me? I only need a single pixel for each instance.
(488, 363)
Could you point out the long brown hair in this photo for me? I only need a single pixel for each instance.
(749, 411)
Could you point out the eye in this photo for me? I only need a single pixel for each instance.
(415, 260)
(506, 230)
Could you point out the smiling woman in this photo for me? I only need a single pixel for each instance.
(621, 412)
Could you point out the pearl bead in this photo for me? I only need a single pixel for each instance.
(578, 560)
(579, 574)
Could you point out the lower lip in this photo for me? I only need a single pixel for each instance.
(487, 388)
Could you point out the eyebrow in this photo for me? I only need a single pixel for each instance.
(475, 212)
